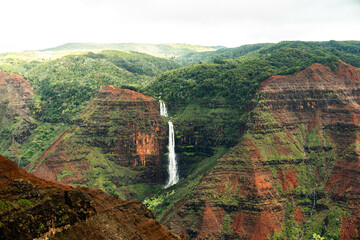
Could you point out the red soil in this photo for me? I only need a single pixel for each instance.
(50, 149)
(254, 152)
(212, 220)
(178, 205)
(287, 178)
(256, 226)
(126, 94)
(299, 215)
(319, 73)
(9, 171)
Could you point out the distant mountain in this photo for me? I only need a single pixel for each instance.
(221, 53)
(217, 47)
(346, 50)
(163, 50)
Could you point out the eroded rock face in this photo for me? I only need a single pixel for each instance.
(296, 170)
(31, 207)
(16, 122)
(118, 141)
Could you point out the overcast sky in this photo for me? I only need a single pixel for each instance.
(39, 24)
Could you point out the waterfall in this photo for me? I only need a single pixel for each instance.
(172, 170)
(163, 111)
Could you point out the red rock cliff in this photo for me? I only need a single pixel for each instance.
(296, 170)
(118, 141)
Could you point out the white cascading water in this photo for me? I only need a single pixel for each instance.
(173, 173)
(172, 169)
(163, 111)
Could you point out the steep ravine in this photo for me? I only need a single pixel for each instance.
(301, 137)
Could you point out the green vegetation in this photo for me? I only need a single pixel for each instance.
(65, 84)
(32, 148)
(290, 229)
(164, 200)
(226, 227)
(210, 101)
(219, 55)
(236, 80)
(19, 204)
(347, 51)
(327, 224)
(134, 62)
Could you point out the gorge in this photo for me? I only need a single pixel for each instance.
(299, 144)
(266, 143)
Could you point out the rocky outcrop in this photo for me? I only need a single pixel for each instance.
(118, 141)
(295, 171)
(16, 122)
(34, 208)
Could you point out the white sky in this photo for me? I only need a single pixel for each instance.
(39, 24)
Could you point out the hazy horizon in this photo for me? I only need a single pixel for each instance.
(41, 24)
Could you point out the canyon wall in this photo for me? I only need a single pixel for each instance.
(117, 142)
(296, 169)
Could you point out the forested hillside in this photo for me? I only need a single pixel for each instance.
(343, 49)
(220, 92)
(67, 83)
(62, 84)
(220, 54)
(210, 102)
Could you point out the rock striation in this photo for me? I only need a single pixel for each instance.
(16, 97)
(296, 169)
(31, 208)
(118, 141)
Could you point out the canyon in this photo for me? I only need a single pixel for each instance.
(260, 147)
(301, 138)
